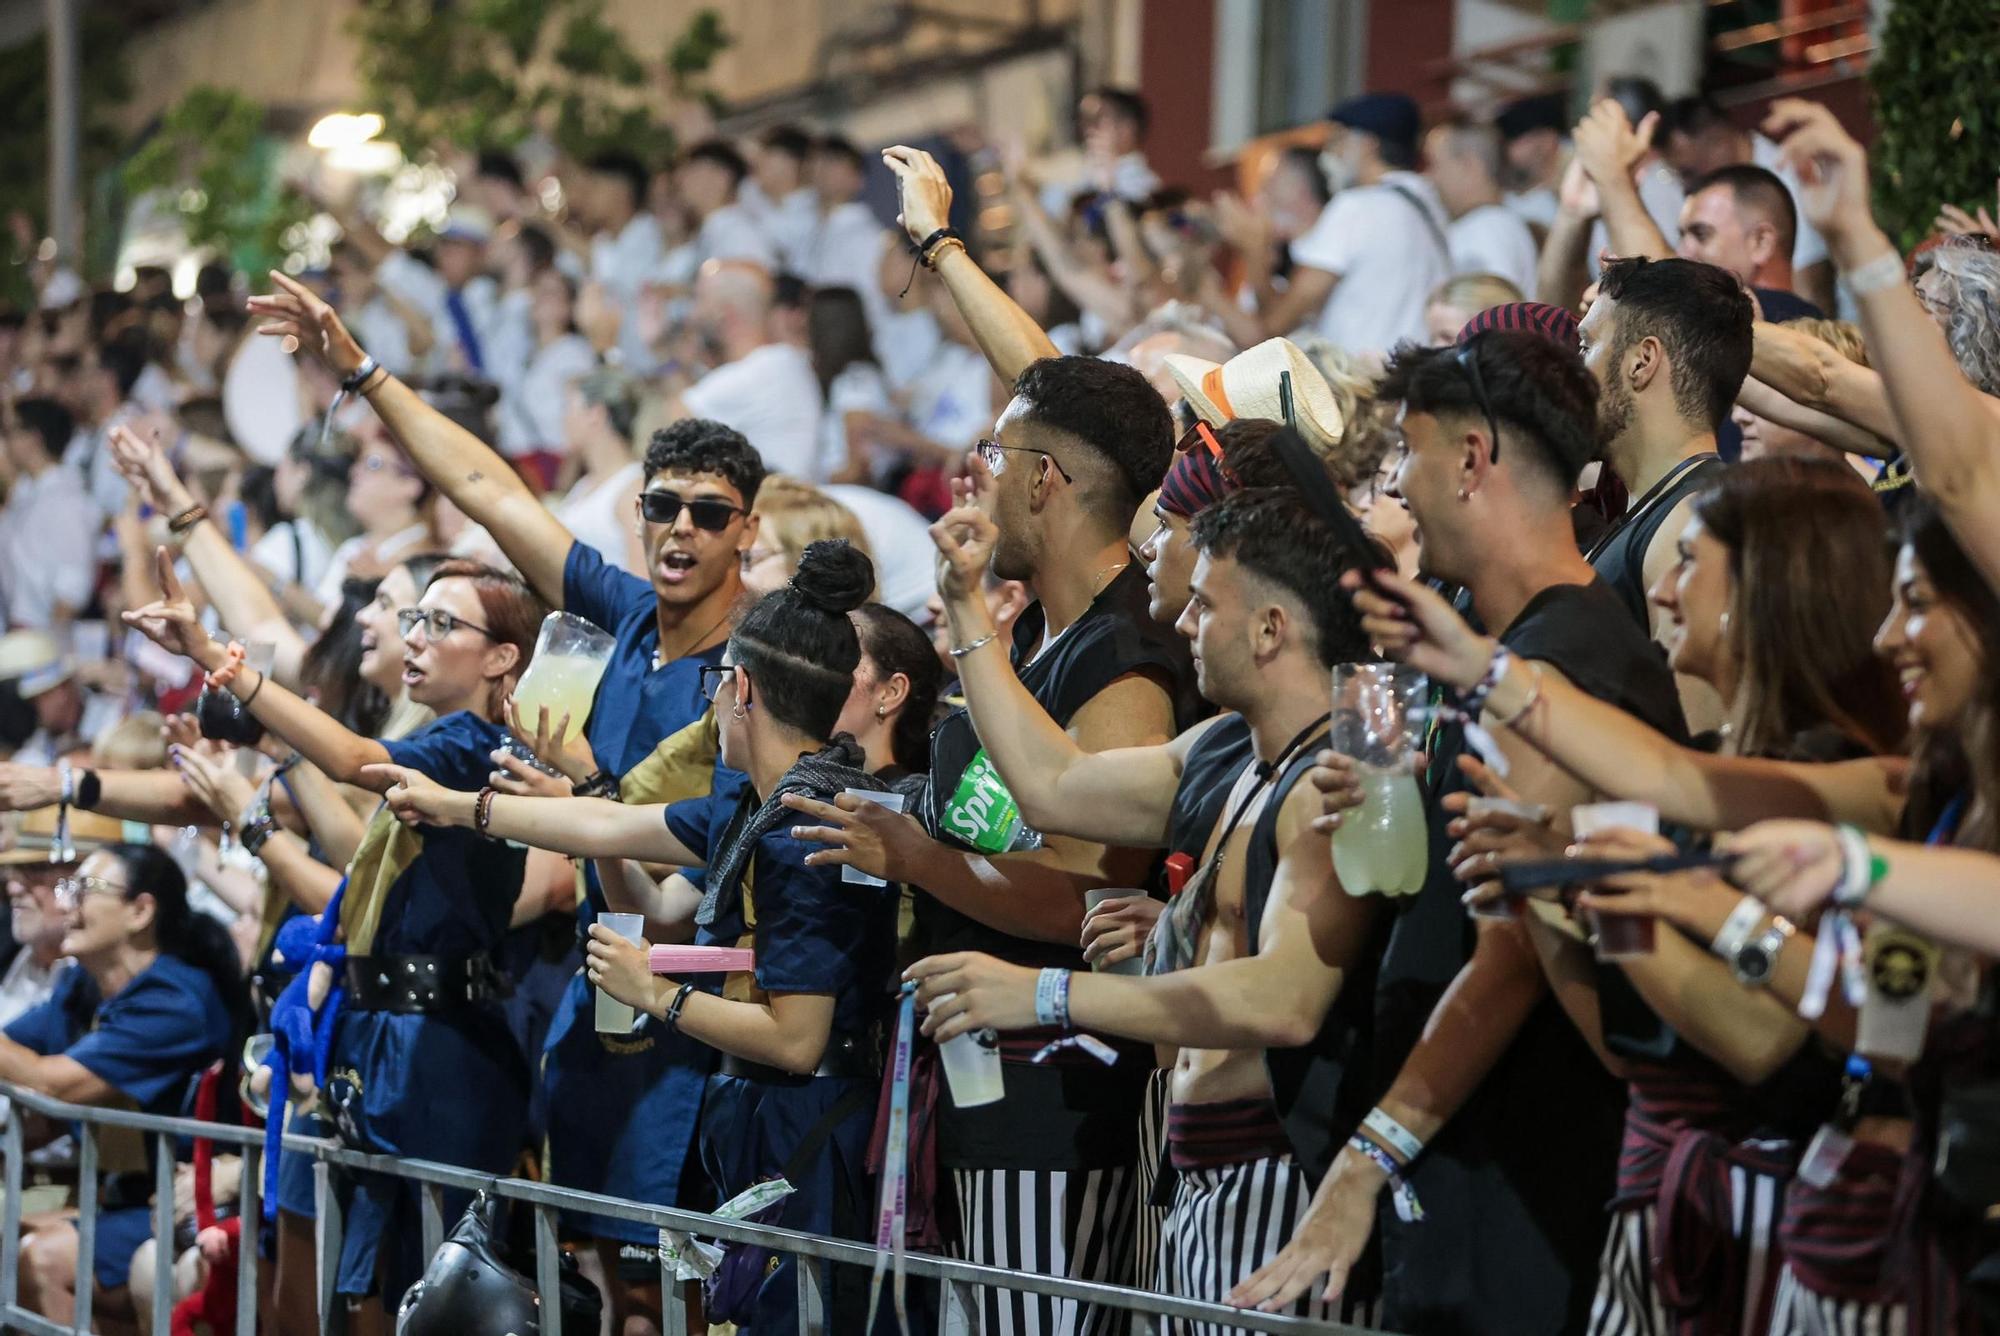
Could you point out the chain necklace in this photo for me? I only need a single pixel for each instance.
(660, 662)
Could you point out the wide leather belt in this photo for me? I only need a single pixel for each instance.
(420, 984)
(845, 1057)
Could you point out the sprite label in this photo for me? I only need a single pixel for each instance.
(983, 813)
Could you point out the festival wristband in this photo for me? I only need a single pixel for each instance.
(1407, 1208)
(1496, 668)
(1883, 272)
(1394, 1135)
(1052, 998)
(1859, 868)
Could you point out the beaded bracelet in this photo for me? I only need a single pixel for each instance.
(482, 809)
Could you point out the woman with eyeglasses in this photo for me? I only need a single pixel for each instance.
(156, 996)
(419, 914)
(797, 1087)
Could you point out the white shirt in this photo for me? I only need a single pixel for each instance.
(1493, 239)
(295, 551)
(592, 512)
(1131, 178)
(732, 232)
(627, 262)
(48, 547)
(900, 541)
(27, 984)
(382, 334)
(771, 395)
(789, 223)
(859, 388)
(1660, 191)
(845, 251)
(1386, 243)
(532, 407)
(951, 402)
(1808, 247)
(389, 549)
(418, 284)
(101, 713)
(905, 343)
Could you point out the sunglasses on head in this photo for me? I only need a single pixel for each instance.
(1467, 358)
(1200, 439)
(706, 512)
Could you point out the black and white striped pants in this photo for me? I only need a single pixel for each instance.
(1076, 1224)
(1150, 1220)
(1226, 1223)
(1800, 1312)
(1628, 1301)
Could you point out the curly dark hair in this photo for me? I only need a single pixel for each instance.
(700, 445)
(1538, 388)
(1114, 414)
(1272, 533)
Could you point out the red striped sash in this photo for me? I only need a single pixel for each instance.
(1226, 1132)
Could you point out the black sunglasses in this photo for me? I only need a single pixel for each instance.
(707, 512)
(1467, 358)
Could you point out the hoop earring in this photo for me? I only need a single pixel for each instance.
(738, 710)
(1722, 624)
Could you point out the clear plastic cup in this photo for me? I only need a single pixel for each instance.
(570, 655)
(613, 1016)
(972, 1066)
(1091, 900)
(1619, 936)
(1383, 846)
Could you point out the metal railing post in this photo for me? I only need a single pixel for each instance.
(10, 1213)
(250, 1219)
(430, 1198)
(673, 1299)
(326, 1248)
(548, 1267)
(812, 1306)
(86, 1223)
(163, 1234)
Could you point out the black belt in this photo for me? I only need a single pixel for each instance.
(844, 1057)
(418, 984)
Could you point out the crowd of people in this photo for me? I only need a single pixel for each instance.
(991, 619)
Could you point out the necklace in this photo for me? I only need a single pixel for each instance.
(659, 661)
(1097, 581)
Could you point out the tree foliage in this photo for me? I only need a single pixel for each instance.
(210, 158)
(485, 73)
(1936, 83)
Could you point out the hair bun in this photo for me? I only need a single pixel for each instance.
(834, 576)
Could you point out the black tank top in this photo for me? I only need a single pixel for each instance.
(1214, 761)
(1620, 555)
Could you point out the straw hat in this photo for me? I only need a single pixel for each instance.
(35, 835)
(1246, 386)
(34, 661)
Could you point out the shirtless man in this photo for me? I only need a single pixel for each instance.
(1250, 965)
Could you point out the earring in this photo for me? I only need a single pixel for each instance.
(881, 712)
(1464, 495)
(738, 710)
(1722, 624)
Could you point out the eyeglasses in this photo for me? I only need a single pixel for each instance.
(1467, 358)
(995, 455)
(437, 623)
(382, 463)
(71, 890)
(708, 513)
(713, 675)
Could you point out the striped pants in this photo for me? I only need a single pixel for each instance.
(1628, 1299)
(1150, 1219)
(1076, 1224)
(1800, 1312)
(1226, 1223)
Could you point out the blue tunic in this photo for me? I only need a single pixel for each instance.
(621, 1109)
(149, 1042)
(812, 934)
(449, 1086)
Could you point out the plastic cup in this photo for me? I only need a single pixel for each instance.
(613, 1016)
(972, 1067)
(850, 874)
(1619, 936)
(1091, 900)
(1501, 907)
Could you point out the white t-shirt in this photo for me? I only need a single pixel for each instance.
(404, 542)
(532, 407)
(951, 401)
(732, 232)
(789, 222)
(1808, 247)
(48, 547)
(627, 261)
(905, 557)
(303, 562)
(1493, 239)
(859, 388)
(771, 395)
(1386, 243)
(905, 344)
(592, 512)
(27, 984)
(1536, 207)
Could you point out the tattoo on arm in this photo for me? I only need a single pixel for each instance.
(475, 476)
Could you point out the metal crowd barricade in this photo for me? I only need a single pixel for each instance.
(544, 1200)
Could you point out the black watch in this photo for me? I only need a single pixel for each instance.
(1757, 959)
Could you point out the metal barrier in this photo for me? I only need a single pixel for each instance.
(543, 1199)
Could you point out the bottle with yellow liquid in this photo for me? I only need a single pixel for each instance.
(1383, 846)
(570, 655)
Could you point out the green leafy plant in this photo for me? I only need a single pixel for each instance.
(485, 73)
(212, 161)
(1936, 84)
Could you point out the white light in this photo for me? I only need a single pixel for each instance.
(373, 158)
(340, 129)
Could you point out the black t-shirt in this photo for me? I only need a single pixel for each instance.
(1065, 1115)
(1514, 1188)
(1620, 554)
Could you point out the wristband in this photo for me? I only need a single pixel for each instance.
(1534, 695)
(232, 664)
(1407, 1209)
(59, 846)
(1858, 867)
(187, 519)
(1052, 998)
(1396, 1136)
(1883, 272)
(359, 377)
(482, 809)
(673, 1016)
(927, 247)
(1496, 668)
(261, 675)
(603, 784)
(257, 834)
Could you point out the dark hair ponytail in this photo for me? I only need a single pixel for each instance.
(899, 645)
(799, 645)
(187, 934)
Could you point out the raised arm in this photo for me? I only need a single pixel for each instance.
(1008, 335)
(478, 481)
(1119, 797)
(1948, 427)
(1610, 150)
(1839, 433)
(1610, 750)
(579, 827)
(1813, 373)
(1563, 270)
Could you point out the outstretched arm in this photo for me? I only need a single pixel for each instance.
(1008, 335)
(1839, 433)
(1812, 372)
(579, 827)
(478, 481)
(156, 797)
